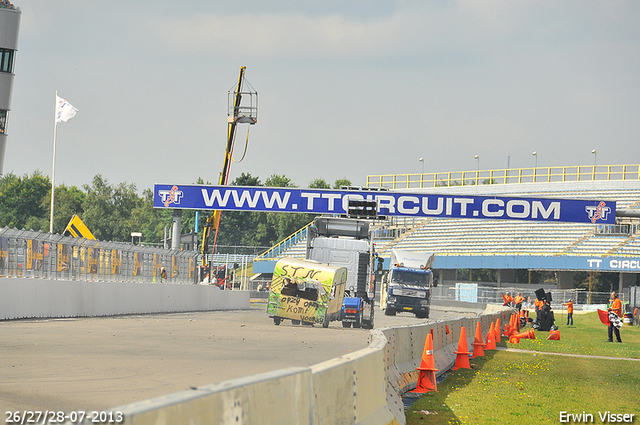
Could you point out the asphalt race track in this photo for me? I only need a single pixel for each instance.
(103, 362)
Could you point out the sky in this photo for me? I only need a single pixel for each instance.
(345, 88)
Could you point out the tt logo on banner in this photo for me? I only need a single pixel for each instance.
(172, 196)
(599, 212)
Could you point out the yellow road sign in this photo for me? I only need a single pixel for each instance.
(77, 229)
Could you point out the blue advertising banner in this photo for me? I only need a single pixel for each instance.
(325, 201)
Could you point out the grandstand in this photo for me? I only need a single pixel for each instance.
(506, 239)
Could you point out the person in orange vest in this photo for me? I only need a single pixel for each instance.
(508, 300)
(518, 300)
(615, 313)
(538, 305)
(569, 305)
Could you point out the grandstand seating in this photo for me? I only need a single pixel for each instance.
(452, 236)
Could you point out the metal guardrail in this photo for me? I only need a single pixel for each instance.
(506, 176)
(276, 250)
(26, 253)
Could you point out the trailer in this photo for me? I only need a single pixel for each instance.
(306, 291)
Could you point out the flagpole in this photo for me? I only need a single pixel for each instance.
(53, 168)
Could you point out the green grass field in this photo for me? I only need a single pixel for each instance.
(535, 387)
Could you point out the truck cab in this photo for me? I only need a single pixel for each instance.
(347, 243)
(407, 286)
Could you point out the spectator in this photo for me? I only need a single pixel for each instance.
(163, 274)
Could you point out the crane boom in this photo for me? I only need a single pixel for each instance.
(236, 115)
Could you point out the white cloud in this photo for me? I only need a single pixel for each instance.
(403, 33)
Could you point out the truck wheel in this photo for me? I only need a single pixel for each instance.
(367, 325)
(295, 322)
(389, 312)
(346, 324)
(422, 315)
(276, 321)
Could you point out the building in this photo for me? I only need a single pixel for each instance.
(9, 27)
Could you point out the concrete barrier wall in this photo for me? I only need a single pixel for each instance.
(22, 298)
(280, 397)
(364, 387)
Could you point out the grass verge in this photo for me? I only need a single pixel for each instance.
(531, 388)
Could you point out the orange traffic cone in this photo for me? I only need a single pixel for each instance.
(512, 326)
(506, 327)
(496, 331)
(491, 343)
(554, 336)
(478, 345)
(514, 339)
(448, 330)
(427, 375)
(526, 335)
(462, 358)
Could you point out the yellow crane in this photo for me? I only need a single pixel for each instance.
(239, 112)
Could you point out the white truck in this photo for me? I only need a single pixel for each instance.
(407, 286)
(346, 242)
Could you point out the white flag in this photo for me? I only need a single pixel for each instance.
(64, 110)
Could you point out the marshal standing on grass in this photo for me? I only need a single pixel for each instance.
(615, 313)
(569, 305)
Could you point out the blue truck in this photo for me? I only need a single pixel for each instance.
(407, 285)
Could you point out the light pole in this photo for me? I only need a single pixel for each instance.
(422, 161)
(477, 157)
(536, 155)
(595, 158)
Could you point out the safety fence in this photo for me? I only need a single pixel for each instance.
(26, 253)
(581, 298)
(632, 294)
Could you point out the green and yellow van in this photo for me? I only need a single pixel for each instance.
(306, 291)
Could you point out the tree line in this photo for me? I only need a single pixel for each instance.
(113, 211)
